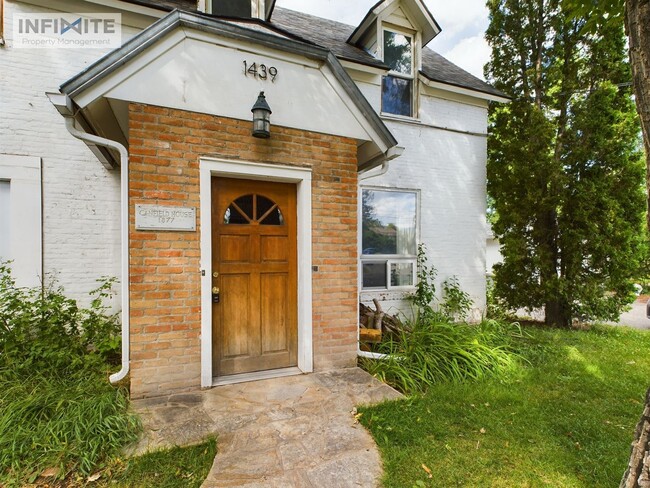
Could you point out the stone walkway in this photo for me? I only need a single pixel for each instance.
(296, 431)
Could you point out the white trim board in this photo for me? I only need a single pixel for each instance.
(25, 219)
(209, 167)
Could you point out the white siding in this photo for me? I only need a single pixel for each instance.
(448, 168)
(80, 196)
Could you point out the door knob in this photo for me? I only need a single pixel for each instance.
(215, 290)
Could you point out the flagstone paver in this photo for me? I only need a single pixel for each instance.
(296, 431)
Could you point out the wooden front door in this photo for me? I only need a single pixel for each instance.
(254, 266)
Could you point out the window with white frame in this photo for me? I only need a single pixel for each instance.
(397, 86)
(388, 238)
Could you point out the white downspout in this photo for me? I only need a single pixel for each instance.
(124, 232)
(392, 153)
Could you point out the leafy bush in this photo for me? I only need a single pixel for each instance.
(57, 408)
(425, 288)
(456, 302)
(437, 351)
(43, 329)
(496, 308)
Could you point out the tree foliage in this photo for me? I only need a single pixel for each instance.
(565, 169)
(636, 15)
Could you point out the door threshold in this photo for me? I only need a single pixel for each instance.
(255, 376)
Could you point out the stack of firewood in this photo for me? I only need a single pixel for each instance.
(373, 324)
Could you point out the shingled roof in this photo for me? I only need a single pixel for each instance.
(333, 35)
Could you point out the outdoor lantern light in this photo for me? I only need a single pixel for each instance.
(261, 118)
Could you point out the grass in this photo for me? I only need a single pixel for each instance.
(564, 417)
(434, 350)
(182, 467)
(64, 422)
(75, 426)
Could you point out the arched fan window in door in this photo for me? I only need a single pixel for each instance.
(251, 209)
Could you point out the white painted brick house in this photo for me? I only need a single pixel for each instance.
(420, 158)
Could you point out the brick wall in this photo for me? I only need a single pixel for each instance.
(165, 146)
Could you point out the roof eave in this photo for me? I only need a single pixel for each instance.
(179, 19)
(465, 90)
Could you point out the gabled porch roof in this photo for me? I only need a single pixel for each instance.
(187, 60)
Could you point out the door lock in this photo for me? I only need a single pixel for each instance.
(215, 295)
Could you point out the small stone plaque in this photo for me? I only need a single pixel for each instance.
(157, 217)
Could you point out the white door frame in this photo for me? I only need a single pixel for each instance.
(209, 167)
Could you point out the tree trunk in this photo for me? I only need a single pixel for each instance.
(637, 26)
(557, 314)
(637, 474)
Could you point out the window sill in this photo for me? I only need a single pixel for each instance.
(396, 289)
(400, 118)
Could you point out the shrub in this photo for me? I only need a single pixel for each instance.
(42, 329)
(456, 302)
(425, 288)
(496, 308)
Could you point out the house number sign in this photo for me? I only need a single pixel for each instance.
(261, 71)
(157, 217)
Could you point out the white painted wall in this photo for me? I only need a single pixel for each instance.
(80, 196)
(448, 168)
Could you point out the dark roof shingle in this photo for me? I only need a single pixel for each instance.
(333, 36)
(325, 33)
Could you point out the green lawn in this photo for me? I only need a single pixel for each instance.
(564, 418)
(179, 467)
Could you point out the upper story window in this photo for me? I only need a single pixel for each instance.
(397, 86)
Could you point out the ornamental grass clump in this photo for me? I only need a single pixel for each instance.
(437, 351)
(58, 412)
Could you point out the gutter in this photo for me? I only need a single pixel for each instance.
(385, 159)
(64, 106)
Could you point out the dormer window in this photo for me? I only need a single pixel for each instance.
(397, 85)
